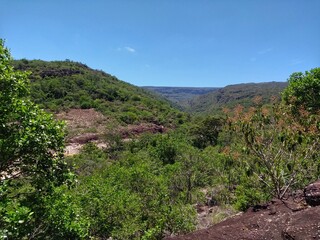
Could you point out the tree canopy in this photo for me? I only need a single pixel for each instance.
(31, 151)
(31, 141)
(303, 91)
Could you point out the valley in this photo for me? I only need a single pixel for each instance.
(85, 155)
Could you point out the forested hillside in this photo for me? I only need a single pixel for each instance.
(63, 85)
(231, 96)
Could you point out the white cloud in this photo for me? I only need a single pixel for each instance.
(130, 49)
(264, 51)
(296, 61)
(127, 49)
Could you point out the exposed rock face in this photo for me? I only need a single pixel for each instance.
(290, 219)
(84, 138)
(279, 220)
(303, 225)
(134, 130)
(312, 193)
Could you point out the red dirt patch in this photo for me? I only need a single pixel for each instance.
(81, 121)
(88, 125)
(84, 125)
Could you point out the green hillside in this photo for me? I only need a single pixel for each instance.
(63, 85)
(232, 95)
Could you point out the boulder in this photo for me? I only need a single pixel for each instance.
(312, 194)
(303, 225)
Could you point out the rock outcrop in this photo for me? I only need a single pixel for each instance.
(296, 218)
(312, 193)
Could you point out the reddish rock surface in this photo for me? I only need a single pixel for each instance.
(290, 219)
(312, 193)
(135, 130)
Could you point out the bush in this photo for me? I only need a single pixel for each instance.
(247, 196)
(129, 117)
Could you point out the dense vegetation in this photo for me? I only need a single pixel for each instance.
(147, 187)
(61, 85)
(31, 156)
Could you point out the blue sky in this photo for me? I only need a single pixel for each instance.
(200, 43)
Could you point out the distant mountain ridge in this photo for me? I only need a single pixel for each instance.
(212, 100)
(180, 95)
(232, 95)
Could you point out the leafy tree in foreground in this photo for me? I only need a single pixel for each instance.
(280, 152)
(31, 141)
(278, 146)
(31, 153)
(303, 91)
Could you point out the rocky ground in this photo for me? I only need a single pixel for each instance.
(88, 125)
(297, 217)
